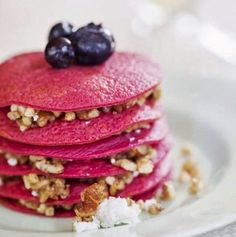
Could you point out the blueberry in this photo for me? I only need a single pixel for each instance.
(59, 52)
(93, 44)
(63, 29)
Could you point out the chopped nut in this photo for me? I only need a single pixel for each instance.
(154, 209)
(91, 197)
(141, 101)
(156, 93)
(42, 208)
(13, 115)
(126, 164)
(118, 108)
(23, 128)
(195, 186)
(88, 114)
(68, 207)
(168, 192)
(116, 186)
(110, 180)
(49, 211)
(142, 150)
(184, 177)
(43, 119)
(94, 113)
(191, 168)
(131, 103)
(14, 108)
(36, 158)
(46, 187)
(27, 121)
(70, 116)
(54, 167)
(1, 181)
(29, 112)
(57, 114)
(128, 177)
(29, 180)
(129, 201)
(21, 109)
(145, 166)
(28, 204)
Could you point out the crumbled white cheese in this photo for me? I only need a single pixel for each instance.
(113, 161)
(12, 162)
(35, 117)
(135, 174)
(132, 139)
(81, 226)
(115, 211)
(111, 212)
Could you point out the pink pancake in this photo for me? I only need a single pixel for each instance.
(61, 132)
(78, 169)
(151, 193)
(103, 148)
(16, 190)
(28, 80)
(15, 206)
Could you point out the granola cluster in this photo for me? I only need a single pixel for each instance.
(46, 165)
(27, 117)
(91, 197)
(46, 187)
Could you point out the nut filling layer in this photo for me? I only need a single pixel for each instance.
(137, 159)
(27, 117)
(46, 187)
(41, 208)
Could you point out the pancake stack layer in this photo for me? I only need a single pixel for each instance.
(62, 130)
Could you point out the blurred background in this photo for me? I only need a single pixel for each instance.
(187, 37)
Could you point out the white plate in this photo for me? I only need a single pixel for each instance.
(205, 118)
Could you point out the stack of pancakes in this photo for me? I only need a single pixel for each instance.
(62, 130)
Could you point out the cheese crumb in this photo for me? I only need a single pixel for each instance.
(115, 211)
(81, 226)
(12, 162)
(111, 212)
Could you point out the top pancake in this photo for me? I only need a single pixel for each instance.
(28, 80)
